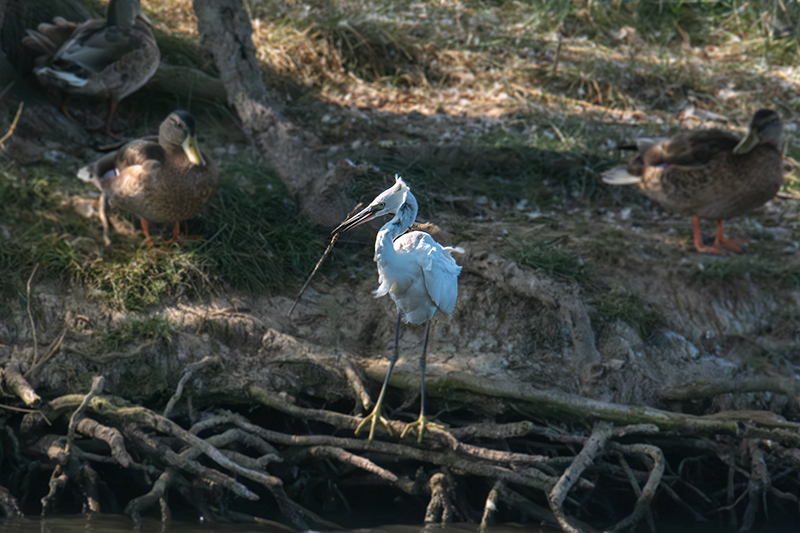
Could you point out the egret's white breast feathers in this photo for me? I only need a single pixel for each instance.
(420, 275)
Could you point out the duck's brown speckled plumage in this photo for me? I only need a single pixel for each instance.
(710, 174)
(157, 181)
(110, 58)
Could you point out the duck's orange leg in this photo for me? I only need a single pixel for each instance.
(698, 240)
(106, 126)
(176, 230)
(146, 230)
(112, 108)
(721, 240)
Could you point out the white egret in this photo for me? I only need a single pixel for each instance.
(417, 272)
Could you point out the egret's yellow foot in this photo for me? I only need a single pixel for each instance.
(373, 418)
(422, 422)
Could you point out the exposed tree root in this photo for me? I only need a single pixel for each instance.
(16, 383)
(440, 508)
(591, 449)
(187, 374)
(527, 471)
(9, 504)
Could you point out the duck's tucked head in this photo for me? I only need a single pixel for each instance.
(765, 128)
(123, 13)
(179, 130)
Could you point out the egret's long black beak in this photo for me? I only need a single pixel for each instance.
(359, 218)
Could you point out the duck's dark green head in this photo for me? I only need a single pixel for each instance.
(765, 128)
(179, 130)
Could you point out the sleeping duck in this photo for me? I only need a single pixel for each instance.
(109, 58)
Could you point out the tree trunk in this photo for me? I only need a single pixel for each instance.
(225, 29)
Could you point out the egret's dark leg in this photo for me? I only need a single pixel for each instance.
(422, 364)
(376, 414)
(422, 421)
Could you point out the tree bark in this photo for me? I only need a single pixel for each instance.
(226, 31)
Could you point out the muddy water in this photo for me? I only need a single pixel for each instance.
(122, 524)
(108, 523)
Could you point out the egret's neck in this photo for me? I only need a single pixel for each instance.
(405, 216)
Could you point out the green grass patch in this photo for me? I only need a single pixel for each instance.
(761, 269)
(141, 278)
(256, 240)
(551, 257)
(620, 304)
(135, 331)
(504, 166)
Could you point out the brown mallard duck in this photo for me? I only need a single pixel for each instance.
(710, 174)
(111, 57)
(165, 181)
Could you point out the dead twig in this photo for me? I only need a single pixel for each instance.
(645, 496)
(97, 388)
(355, 382)
(759, 482)
(19, 385)
(54, 346)
(30, 315)
(14, 122)
(637, 490)
(187, 374)
(319, 263)
(501, 492)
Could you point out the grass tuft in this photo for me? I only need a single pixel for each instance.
(258, 239)
(762, 269)
(623, 305)
(362, 39)
(137, 280)
(135, 331)
(551, 257)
